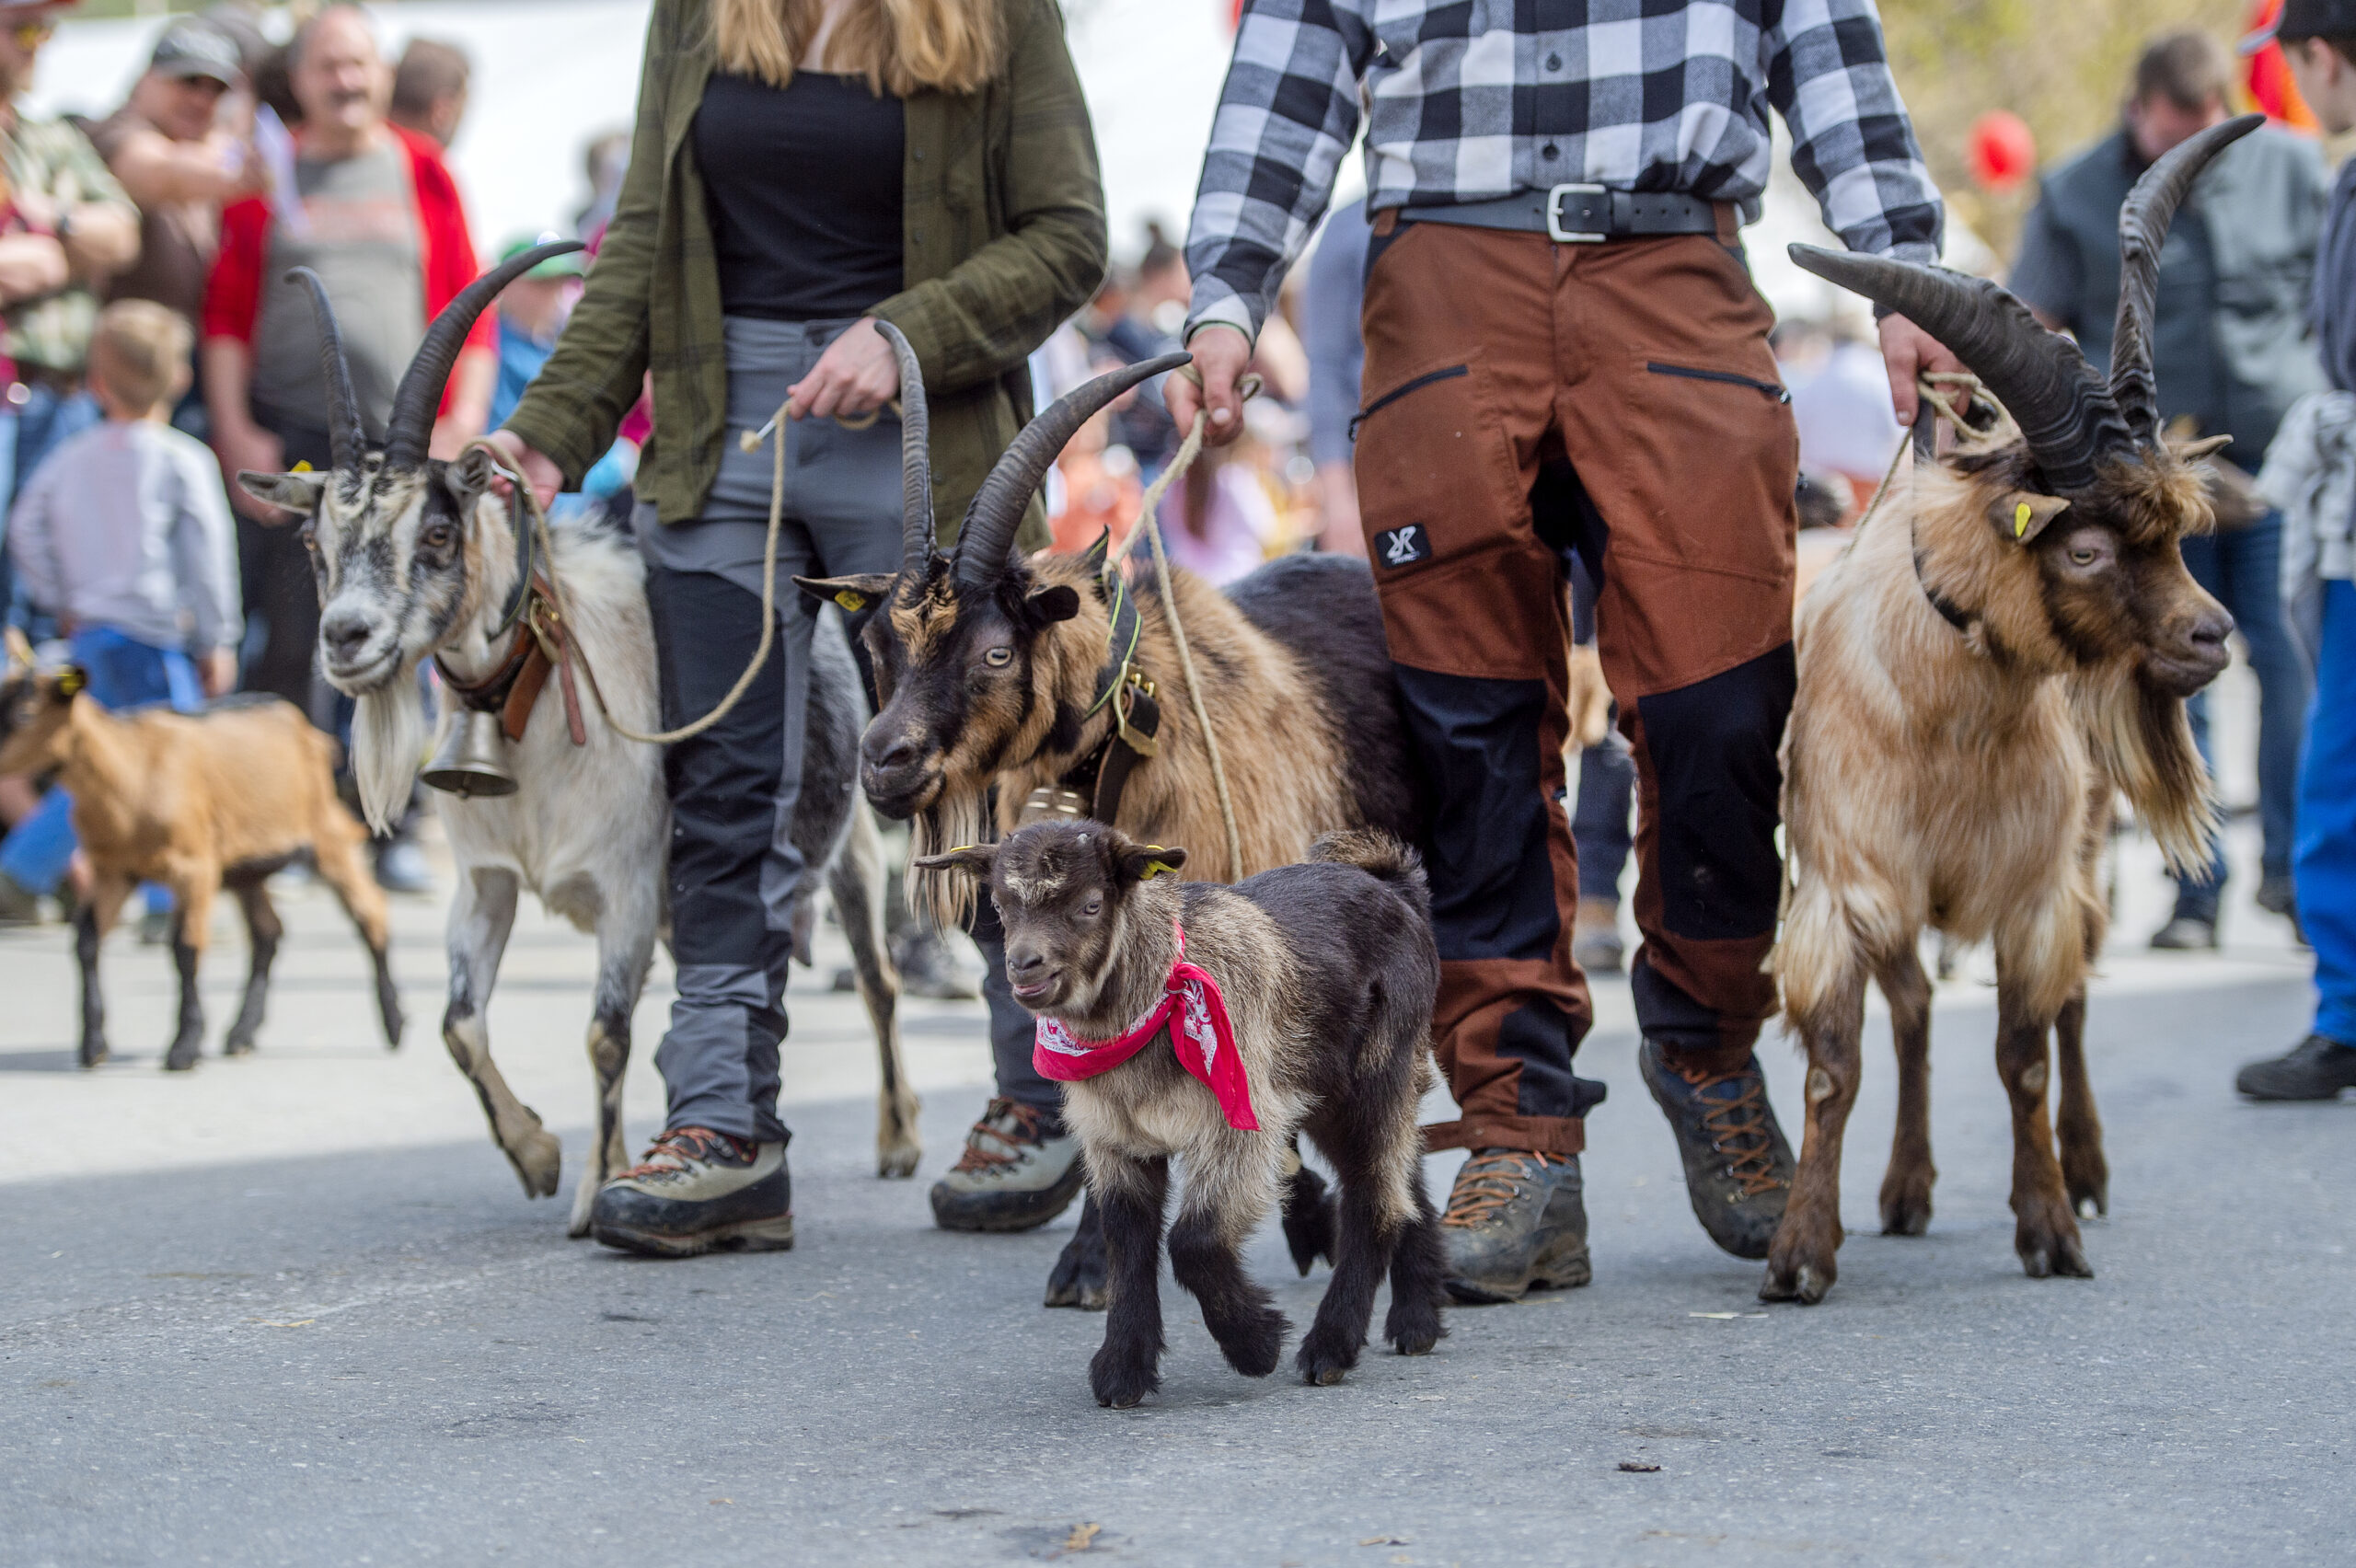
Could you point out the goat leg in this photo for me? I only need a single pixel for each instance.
(1308, 1211)
(94, 1006)
(191, 921)
(335, 850)
(1230, 1181)
(1082, 1276)
(2045, 1231)
(1418, 1275)
(481, 914)
(1125, 1368)
(857, 882)
(1800, 1264)
(1906, 1187)
(2086, 1174)
(624, 948)
(263, 931)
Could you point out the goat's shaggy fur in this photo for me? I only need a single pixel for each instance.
(1329, 974)
(195, 802)
(1961, 779)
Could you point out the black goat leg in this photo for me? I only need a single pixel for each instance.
(1307, 1216)
(1204, 1258)
(1082, 1276)
(190, 1033)
(1125, 1368)
(1418, 1277)
(263, 931)
(94, 1006)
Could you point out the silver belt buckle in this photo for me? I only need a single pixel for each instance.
(1554, 229)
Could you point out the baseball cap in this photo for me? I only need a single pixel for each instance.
(190, 50)
(571, 264)
(2303, 19)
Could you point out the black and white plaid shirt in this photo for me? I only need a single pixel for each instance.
(1479, 98)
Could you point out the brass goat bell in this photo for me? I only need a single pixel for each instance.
(472, 760)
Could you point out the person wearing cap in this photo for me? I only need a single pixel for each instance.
(2319, 40)
(172, 154)
(65, 228)
(532, 313)
(2232, 350)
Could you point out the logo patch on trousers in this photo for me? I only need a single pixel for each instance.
(1403, 546)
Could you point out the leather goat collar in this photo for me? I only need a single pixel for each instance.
(541, 644)
(1092, 787)
(1204, 1041)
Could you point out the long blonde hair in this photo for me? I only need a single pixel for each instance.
(900, 46)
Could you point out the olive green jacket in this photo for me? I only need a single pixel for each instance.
(1003, 232)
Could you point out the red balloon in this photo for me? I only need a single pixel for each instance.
(2002, 149)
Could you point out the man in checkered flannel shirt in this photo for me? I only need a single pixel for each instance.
(1555, 276)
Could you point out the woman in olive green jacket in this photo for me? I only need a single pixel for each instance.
(799, 167)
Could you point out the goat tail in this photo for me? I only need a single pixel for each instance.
(1381, 856)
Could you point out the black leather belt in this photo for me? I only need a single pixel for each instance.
(1579, 215)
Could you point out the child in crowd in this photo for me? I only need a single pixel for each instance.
(2318, 39)
(124, 535)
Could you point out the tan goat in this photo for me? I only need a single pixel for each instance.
(195, 803)
(1996, 653)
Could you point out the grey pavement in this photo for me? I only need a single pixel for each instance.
(233, 1339)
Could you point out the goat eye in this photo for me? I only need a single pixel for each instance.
(1091, 906)
(998, 658)
(2083, 557)
(438, 536)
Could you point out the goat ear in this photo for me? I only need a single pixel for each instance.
(2021, 516)
(299, 491)
(974, 859)
(849, 594)
(1143, 862)
(2193, 451)
(1045, 607)
(471, 472)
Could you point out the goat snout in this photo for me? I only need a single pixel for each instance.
(1031, 974)
(893, 774)
(347, 637)
(2196, 656)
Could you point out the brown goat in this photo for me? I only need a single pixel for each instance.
(1991, 658)
(195, 803)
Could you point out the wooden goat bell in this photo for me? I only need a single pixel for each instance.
(472, 761)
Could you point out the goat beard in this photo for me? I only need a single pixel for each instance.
(389, 735)
(947, 898)
(2142, 744)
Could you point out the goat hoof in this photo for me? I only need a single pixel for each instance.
(1803, 1282)
(1119, 1386)
(1324, 1363)
(180, 1060)
(1414, 1332)
(94, 1053)
(1082, 1277)
(1905, 1218)
(2060, 1256)
(237, 1045)
(538, 1159)
(898, 1161)
(1258, 1344)
(2090, 1207)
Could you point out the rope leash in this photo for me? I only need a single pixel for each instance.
(538, 522)
(1927, 386)
(1179, 461)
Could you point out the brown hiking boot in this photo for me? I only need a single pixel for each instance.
(1737, 1167)
(1516, 1222)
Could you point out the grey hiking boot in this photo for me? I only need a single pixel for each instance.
(698, 1190)
(1516, 1222)
(1737, 1167)
(1017, 1173)
(2318, 1068)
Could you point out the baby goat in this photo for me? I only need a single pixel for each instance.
(196, 803)
(1328, 971)
(1991, 658)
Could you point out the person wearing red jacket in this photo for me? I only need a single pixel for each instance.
(374, 210)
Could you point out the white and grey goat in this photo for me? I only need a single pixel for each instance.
(419, 558)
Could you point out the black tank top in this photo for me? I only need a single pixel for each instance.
(803, 185)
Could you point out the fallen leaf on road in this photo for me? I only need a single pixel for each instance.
(1726, 1316)
(1386, 1540)
(1637, 1467)
(297, 1323)
(1081, 1534)
(717, 1501)
(1431, 1396)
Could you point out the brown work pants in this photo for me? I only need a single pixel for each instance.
(1635, 377)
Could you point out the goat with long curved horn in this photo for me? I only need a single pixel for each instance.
(916, 460)
(2063, 407)
(997, 510)
(418, 397)
(2142, 229)
(346, 439)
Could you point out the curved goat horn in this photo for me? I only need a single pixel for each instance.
(2142, 229)
(2063, 407)
(419, 396)
(997, 510)
(916, 458)
(346, 441)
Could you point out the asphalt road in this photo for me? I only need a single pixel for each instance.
(294, 1309)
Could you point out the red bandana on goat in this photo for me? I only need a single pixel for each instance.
(1199, 1033)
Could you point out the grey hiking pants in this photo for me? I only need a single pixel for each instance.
(734, 867)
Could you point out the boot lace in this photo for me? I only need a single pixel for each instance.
(1738, 1128)
(1001, 1136)
(1490, 1180)
(681, 1146)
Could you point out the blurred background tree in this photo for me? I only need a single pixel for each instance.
(2061, 65)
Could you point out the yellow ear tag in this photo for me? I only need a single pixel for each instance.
(854, 603)
(70, 684)
(2021, 515)
(302, 467)
(1158, 869)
